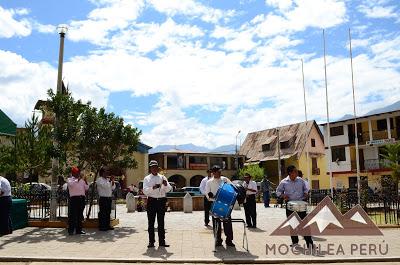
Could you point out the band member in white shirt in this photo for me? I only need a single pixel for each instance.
(250, 203)
(5, 207)
(207, 203)
(105, 187)
(212, 187)
(155, 187)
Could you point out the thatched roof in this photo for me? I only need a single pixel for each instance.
(295, 134)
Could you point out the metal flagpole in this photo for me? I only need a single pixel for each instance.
(279, 157)
(355, 125)
(327, 118)
(307, 143)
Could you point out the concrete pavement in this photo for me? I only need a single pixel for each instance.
(190, 242)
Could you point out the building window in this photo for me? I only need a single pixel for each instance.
(266, 147)
(172, 162)
(381, 125)
(338, 154)
(284, 145)
(336, 131)
(315, 184)
(312, 142)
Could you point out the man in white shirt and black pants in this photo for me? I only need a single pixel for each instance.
(5, 207)
(207, 203)
(212, 187)
(155, 187)
(250, 204)
(105, 188)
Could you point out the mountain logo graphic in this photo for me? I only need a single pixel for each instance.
(326, 220)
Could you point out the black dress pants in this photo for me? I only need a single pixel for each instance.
(75, 214)
(104, 212)
(156, 208)
(227, 229)
(250, 210)
(295, 239)
(5, 215)
(207, 208)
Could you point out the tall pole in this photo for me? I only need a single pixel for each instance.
(327, 119)
(236, 152)
(307, 143)
(355, 125)
(55, 162)
(279, 157)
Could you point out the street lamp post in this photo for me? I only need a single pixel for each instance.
(62, 30)
(236, 153)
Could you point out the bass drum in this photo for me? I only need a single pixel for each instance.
(224, 201)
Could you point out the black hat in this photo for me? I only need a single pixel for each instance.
(216, 168)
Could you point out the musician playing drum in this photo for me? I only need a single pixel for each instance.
(212, 187)
(293, 188)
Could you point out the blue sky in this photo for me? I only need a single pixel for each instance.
(199, 71)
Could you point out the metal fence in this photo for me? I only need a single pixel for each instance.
(383, 207)
(38, 202)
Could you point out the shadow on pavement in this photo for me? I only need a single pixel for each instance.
(37, 235)
(159, 252)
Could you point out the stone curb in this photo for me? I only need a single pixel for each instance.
(201, 261)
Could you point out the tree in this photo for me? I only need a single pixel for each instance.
(66, 128)
(30, 151)
(104, 141)
(256, 172)
(391, 160)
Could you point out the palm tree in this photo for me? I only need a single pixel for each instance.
(391, 159)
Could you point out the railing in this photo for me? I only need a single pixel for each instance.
(39, 204)
(382, 207)
(380, 135)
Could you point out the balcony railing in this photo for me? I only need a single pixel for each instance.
(380, 135)
(194, 166)
(369, 164)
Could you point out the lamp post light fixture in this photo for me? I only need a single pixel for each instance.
(62, 30)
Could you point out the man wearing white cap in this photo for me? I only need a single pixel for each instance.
(155, 187)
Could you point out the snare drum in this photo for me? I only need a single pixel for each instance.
(297, 206)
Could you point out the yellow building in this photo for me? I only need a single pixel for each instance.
(296, 144)
(373, 132)
(188, 168)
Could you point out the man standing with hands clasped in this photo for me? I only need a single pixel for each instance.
(77, 188)
(207, 203)
(250, 204)
(155, 187)
(105, 188)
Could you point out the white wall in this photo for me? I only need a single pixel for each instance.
(341, 166)
(337, 140)
(371, 152)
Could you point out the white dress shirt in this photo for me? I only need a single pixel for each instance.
(151, 180)
(5, 187)
(203, 184)
(213, 185)
(252, 185)
(104, 187)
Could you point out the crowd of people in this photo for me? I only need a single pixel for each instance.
(155, 188)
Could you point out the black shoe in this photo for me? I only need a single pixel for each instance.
(218, 243)
(81, 233)
(110, 228)
(163, 244)
(230, 244)
(103, 229)
(150, 245)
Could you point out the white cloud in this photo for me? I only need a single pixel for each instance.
(304, 14)
(378, 9)
(22, 83)
(283, 5)
(11, 25)
(192, 9)
(110, 15)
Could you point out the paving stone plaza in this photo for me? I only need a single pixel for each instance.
(190, 242)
